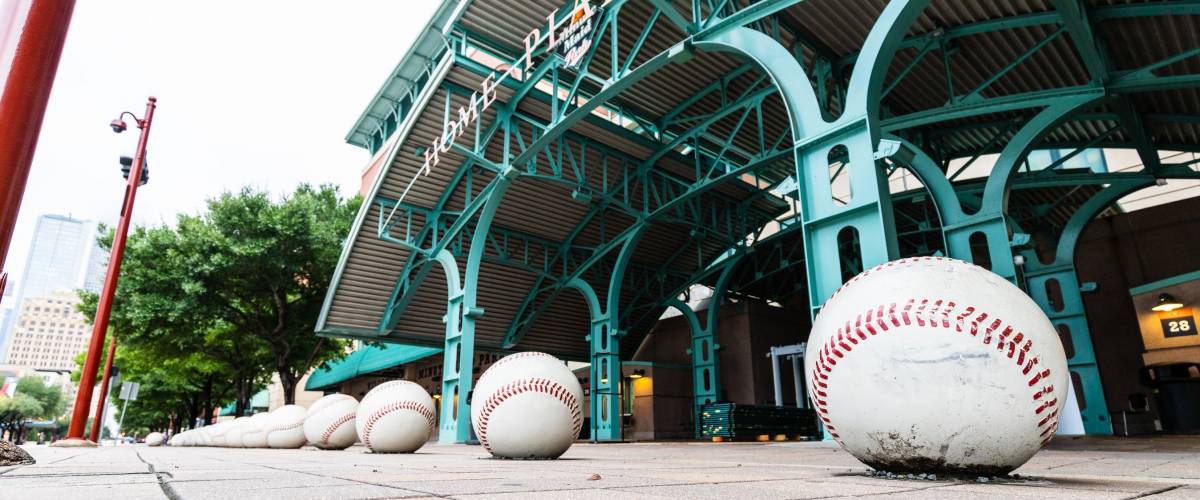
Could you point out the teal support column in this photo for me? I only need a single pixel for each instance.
(706, 360)
(990, 220)
(867, 216)
(1065, 308)
(605, 372)
(455, 425)
(605, 381)
(461, 313)
(1070, 319)
(706, 382)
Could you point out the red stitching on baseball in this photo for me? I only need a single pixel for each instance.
(333, 426)
(521, 386)
(391, 407)
(269, 430)
(936, 316)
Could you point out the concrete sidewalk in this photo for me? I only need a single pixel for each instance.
(1082, 468)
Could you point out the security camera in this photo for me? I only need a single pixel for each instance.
(118, 125)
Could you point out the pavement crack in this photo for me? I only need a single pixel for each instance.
(76, 474)
(1068, 464)
(369, 483)
(1157, 491)
(166, 487)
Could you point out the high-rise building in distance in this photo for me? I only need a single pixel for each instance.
(48, 332)
(63, 257)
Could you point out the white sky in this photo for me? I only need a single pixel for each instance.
(257, 93)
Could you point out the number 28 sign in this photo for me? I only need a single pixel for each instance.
(1178, 326)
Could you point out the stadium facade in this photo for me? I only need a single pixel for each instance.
(554, 176)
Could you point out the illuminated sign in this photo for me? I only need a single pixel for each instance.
(572, 42)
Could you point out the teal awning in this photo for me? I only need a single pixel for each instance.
(366, 361)
(260, 399)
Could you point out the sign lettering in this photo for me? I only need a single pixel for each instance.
(571, 43)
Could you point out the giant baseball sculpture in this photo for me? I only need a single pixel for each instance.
(395, 417)
(330, 422)
(527, 405)
(254, 431)
(237, 429)
(285, 429)
(936, 365)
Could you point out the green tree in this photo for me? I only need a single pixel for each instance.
(263, 267)
(50, 397)
(15, 411)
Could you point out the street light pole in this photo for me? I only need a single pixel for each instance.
(100, 327)
(100, 404)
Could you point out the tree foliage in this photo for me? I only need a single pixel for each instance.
(208, 309)
(33, 400)
(264, 268)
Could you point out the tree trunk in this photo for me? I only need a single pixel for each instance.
(288, 380)
(242, 401)
(207, 400)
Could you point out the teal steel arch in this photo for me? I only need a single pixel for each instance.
(857, 129)
(814, 134)
(869, 211)
(989, 219)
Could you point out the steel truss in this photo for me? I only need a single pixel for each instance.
(834, 116)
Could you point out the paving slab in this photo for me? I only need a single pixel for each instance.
(1075, 468)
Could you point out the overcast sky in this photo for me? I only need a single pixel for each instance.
(257, 93)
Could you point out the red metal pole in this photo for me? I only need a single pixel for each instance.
(84, 398)
(23, 105)
(108, 362)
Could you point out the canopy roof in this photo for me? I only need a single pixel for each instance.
(963, 80)
(366, 360)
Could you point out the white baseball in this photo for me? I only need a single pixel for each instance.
(329, 423)
(216, 433)
(237, 428)
(527, 405)
(254, 431)
(183, 438)
(203, 437)
(395, 417)
(154, 439)
(285, 429)
(934, 364)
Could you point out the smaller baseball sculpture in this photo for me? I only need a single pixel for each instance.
(233, 436)
(936, 365)
(154, 439)
(329, 424)
(395, 417)
(253, 433)
(285, 429)
(216, 432)
(527, 406)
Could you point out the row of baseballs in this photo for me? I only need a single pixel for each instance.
(526, 405)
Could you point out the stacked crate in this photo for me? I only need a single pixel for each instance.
(741, 421)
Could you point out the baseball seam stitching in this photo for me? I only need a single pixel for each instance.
(391, 407)
(294, 425)
(969, 319)
(520, 386)
(335, 425)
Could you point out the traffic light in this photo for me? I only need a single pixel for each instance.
(127, 165)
